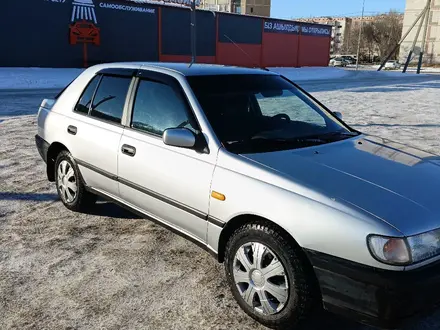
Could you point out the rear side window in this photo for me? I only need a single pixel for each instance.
(157, 107)
(83, 105)
(109, 100)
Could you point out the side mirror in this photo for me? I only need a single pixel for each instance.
(179, 137)
(338, 114)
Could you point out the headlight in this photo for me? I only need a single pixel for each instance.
(404, 251)
(424, 246)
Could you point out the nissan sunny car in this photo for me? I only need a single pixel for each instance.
(302, 209)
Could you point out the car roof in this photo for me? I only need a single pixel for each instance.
(195, 70)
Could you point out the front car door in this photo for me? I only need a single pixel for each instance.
(168, 183)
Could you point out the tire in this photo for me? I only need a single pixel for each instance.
(295, 284)
(68, 178)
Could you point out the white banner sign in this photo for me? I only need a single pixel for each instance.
(127, 8)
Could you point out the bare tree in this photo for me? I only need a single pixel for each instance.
(386, 32)
(378, 36)
(351, 41)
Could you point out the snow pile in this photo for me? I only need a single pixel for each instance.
(36, 78)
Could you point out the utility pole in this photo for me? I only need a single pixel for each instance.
(360, 35)
(411, 51)
(193, 33)
(425, 31)
(404, 37)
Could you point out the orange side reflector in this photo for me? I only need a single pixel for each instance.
(218, 196)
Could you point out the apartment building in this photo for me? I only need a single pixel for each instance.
(246, 7)
(340, 30)
(432, 47)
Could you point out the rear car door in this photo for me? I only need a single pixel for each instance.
(168, 183)
(97, 128)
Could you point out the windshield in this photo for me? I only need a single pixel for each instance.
(263, 113)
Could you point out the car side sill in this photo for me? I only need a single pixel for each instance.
(155, 220)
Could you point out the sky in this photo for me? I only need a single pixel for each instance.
(307, 8)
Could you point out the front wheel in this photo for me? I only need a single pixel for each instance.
(70, 186)
(268, 276)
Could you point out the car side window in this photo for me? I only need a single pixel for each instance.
(158, 107)
(84, 102)
(108, 103)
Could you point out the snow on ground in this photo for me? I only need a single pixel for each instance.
(406, 112)
(109, 269)
(36, 78)
(42, 78)
(47, 78)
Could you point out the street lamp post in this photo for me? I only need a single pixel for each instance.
(360, 35)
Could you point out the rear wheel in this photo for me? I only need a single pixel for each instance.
(268, 276)
(70, 186)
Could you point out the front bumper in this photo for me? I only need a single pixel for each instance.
(373, 296)
(42, 147)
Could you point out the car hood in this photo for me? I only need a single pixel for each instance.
(396, 183)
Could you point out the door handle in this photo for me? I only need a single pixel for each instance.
(72, 130)
(128, 150)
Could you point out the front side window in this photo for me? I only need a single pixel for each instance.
(109, 100)
(84, 102)
(263, 113)
(158, 107)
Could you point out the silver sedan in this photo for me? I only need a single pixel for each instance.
(302, 209)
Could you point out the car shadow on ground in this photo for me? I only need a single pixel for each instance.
(326, 320)
(369, 85)
(104, 208)
(396, 88)
(9, 196)
(101, 208)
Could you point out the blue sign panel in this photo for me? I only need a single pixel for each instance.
(316, 30)
(272, 26)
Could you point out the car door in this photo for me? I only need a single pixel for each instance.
(168, 183)
(96, 129)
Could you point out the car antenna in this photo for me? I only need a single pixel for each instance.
(248, 56)
(193, 34)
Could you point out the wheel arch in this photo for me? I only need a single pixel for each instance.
(242, 219)
(54, 149)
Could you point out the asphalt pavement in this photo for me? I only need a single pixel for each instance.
(23, 101)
